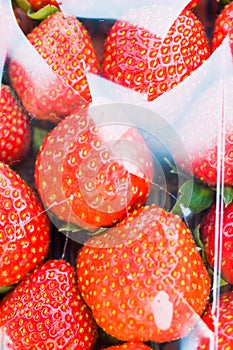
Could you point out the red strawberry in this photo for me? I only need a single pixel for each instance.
(192, 4)
(24, 228)
(215, 329)
(223, 26)
(15, 131)
(206, 131)
(66, 47)
(217, 240)
(91, 170)
(129, 346)
(38, 4)
(144, 279)
(46, 311)
(137, 56)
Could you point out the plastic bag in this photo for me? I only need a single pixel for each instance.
(131, 158)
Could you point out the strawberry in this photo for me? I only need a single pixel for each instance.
(212, 242)
(137, 56)
(192, 4)
(65, 45)
(214, 136)
(15, 131)
(223, 26)
(46, 311)
(24, 228)
(144, 278)
(129, 346)
(38, 4)
(90, 171)
(215, 329)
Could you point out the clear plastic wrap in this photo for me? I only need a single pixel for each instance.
(131, 158)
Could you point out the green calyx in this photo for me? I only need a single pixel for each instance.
(224, 2)
(39, 15)
(5, 289)
(24, 5)
(193, 196)
(42, 13)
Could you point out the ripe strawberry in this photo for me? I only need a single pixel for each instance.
(137, 56)
(144, 279)
(223, 26)
(211, 244)
(206, 132)
(46, 311)
(129, 346)
(91, 172)
(15, 131)
(38, 4)
(215, 329)
(192, 3)
(24, 228)
(66, 47)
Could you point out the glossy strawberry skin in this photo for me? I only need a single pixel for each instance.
(24, 228)
(46, 311)
(144, 279)
(138, 58)
(205, 146)
(192, 4)
(92, 174)
(224, 245)
(223, 26)
(66, 47)
(224, 335)
(15, 131)
(38, 4)
(214, 329)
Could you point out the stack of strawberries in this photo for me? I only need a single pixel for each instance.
(89, 256)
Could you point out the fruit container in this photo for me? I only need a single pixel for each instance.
(116, 175)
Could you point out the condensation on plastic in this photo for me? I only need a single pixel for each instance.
(157, 118)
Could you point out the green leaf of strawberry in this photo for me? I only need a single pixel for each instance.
(39, 135)
(144, 279)
(224, 2)
(46, 311)
(228, 195)
(193, 197)
(5, 289)
(24, 5)
(42, 13)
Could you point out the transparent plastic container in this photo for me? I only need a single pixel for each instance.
(134, 116)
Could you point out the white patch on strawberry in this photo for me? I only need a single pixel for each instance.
(162, 309)
(5, 341)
